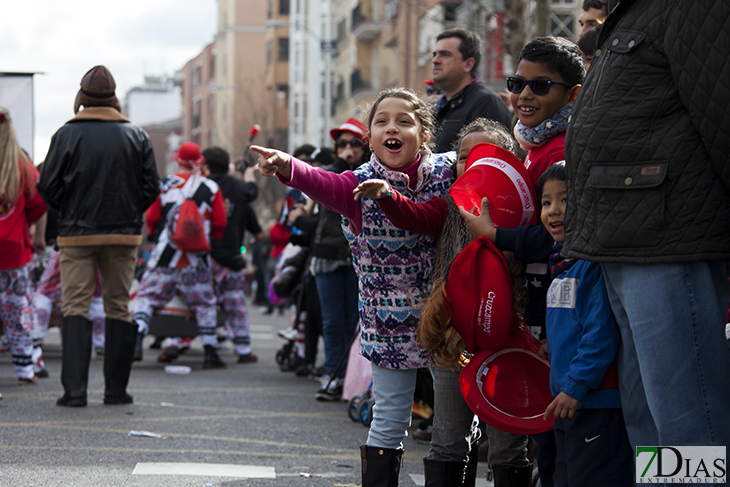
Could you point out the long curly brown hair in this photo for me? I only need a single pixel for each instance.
(444, 344)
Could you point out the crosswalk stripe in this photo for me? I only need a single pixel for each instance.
(206, 469)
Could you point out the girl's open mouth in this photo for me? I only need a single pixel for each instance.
(393, 144)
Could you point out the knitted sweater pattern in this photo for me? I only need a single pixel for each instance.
(394, 266)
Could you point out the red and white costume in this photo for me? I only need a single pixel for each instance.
(15, 283)
(171, 270)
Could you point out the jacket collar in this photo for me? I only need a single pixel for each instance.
(103, 114)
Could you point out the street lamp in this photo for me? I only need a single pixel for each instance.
(327, 47)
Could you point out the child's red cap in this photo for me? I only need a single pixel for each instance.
(479, 289)
(499, 175)
(509, 388)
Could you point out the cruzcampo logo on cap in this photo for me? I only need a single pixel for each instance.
(681, 464)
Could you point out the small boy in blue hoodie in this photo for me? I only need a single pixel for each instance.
(582, 342)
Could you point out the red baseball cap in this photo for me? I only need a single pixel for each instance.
(499, 175)
(509, 387)
(188, 154)
(351, 125)
(479, 290)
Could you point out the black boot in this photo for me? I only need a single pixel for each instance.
(380, 466)
(137, 357)
(443, 474)
(211, 359)
(75, 358)
(470, 474)
(512, 476)
(120, 338)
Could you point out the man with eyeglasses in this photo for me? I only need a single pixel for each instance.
(649, 198)
(455, 62)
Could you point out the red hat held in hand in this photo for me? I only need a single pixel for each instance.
(499, 175)
(189, 155)
(509, 388)
(479, 288)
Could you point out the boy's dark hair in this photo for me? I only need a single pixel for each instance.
(556, 171)
(598, 4)
(589, 41)
(470, 47)
(559, 55)
(304, 151)
(217, 159)
(496, 130)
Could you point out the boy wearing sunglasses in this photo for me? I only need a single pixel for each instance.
(547, 81)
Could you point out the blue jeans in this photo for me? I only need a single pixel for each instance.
(393, 391)
(673, 363)
(338, 299)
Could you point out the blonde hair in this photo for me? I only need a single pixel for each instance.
(444, 344)
(12, 172)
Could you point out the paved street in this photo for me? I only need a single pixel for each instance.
(247, 425)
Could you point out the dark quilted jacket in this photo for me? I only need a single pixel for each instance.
(648, 146)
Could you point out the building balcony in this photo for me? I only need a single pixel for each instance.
(364, 27)
(360, 88)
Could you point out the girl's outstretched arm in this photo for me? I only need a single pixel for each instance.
(272, 161)
(425, 218)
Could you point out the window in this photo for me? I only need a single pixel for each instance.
(195, 77)
(283, 7)
(196, 113)
(450, 11)
(283, 52)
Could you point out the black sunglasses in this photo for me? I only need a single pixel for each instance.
(354, 143)
(537, 86)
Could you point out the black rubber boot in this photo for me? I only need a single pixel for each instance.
(443, 474)
(470, 474)
(211, 359)
(512, 476)
(120, 339)
(75, 358)
(380, 466)
(137, 357)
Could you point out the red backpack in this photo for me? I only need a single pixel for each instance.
(188, 232)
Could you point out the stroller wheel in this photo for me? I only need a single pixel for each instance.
(352, 408)
(365, 411)
(280, 357)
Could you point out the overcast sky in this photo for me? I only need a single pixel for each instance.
(64, 39)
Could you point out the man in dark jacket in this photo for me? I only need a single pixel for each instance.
(228, 262)
(465, 98)
(100, 175)
(649, 198)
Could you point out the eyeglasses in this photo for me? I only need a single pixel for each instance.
(537, 86)
(354, 143)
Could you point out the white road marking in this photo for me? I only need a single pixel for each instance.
(206, 469)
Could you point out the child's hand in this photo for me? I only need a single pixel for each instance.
(482, 224)
(564, 405)
(542, 352)
(372, 188)
(272, 161)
